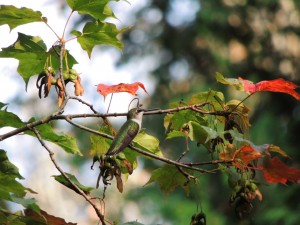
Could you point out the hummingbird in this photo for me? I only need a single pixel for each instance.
(127, 132)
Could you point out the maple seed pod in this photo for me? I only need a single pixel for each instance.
(53, 81)
(66, 75)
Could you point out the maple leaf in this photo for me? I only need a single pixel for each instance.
(104, 89)
(242, 156)
(276, 171)
(277, 85)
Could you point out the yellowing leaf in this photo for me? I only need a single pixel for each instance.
(148, 143)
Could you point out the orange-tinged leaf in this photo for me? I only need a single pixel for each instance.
(276, 171)
(247, 154)
(104, 89)
(242, 156)
(277, 85)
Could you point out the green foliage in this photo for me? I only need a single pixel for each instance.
(33, 56)
(14, 17)
(169, 177)
(66, 142)
(148, 143)
(61, 179)
(98, 33)
(97, 9)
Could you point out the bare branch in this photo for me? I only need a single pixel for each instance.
(59, 116)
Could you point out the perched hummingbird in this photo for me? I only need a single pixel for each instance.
(127, 132)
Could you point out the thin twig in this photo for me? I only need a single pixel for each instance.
(84, 102)
(111, 97)
(87, 197)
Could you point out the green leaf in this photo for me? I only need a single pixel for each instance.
(168, 177)
(14, 17)
(99, 144)
(29, 203)
(31, 53)
(95, 8)
(68, 143)
(215, 98)
(236, 83)
(8, 183)
(201, 134)
(98, 33)
(148, 143)
(61, 179)
(175, 134)
(6, 167)
(33, 56)
(180, 119)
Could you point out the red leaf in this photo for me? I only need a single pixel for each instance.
(130, 88)
(242, 157)
(276, 171)
(247, 153)
(277, 85)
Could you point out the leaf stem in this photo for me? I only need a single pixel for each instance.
(110, 102)
(69, 17)
(51, 29)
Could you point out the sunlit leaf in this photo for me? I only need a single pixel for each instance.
(236, 83)
(98, 33)
(148, 143)
(276, 171)
(95, 8)
(61, 179)
(214, 98)
(99, 144)
(175, 134)
(32, 55)
(14, 17)
(168, 177)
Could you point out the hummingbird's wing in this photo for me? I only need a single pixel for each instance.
(124, 137)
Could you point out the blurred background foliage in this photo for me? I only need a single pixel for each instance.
(182, 43)
(185, 43)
